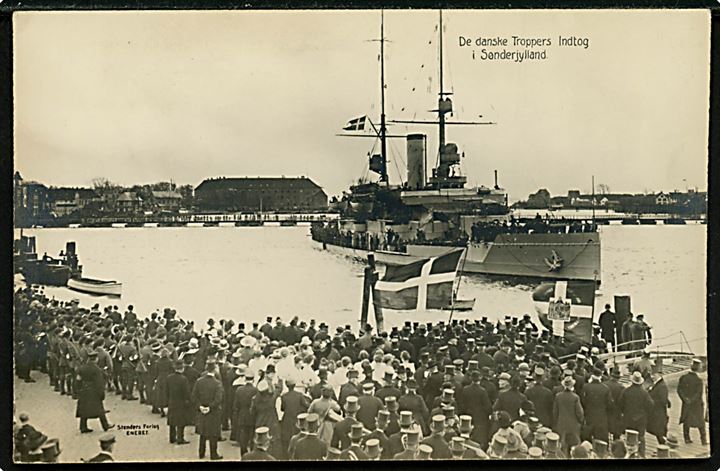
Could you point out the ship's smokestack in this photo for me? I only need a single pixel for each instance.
(416, 160)
(496, 184)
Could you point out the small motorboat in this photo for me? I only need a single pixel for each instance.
(93, 286)
(461, 305)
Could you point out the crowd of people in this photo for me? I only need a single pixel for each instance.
(467, 389)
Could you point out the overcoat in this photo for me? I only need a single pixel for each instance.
(208, 392)
(690, 390)
(91, 392)
(180, 411)
(568, 413)
(658, 421)
(635, 407)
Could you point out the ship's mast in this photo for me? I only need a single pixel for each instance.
(441, 112)
(383, 137)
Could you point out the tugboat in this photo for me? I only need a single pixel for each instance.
(427, 217)
(46, 270)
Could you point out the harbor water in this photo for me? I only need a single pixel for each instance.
(249, 273)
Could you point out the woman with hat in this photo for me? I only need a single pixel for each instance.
(515, 446)
(569, 414)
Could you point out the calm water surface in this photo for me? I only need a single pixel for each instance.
(251, 272)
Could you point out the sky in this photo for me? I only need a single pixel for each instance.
(140, 97)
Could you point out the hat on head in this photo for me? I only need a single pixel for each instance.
(535, 452)
(600, 447)
(552, 441)
(406, 419)
(263, 386)
(312, 421)
(383, 417)
(424, 452)
(472, 365)
(568, 382)
(579, 451)
(413, 437)
(411, 383)
(447, 395)
(373, 447)
(352, 373)
(637, 378)
(449, 369)
(662, 451)
(351, 404)
(448, 410)
(465, 425)
(356, 431)
(262, 436)
(457, 445)
(438, 423)
(107, 438)
(672, 440)
(368, 386)
(391, 403)
(631, 437)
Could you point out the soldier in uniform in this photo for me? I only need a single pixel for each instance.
(207, 395)
(129, 356)
(261, 444)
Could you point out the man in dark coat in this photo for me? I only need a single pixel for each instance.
(292, 403)
(636, 406)
(91, 394)
(355, 451)
(207, 395)
(310, 447)
(658, 420)
(473, 400)
(597, 403)
(369, 406)
(441, 450)
(607, 325)
(541, 397)
(241, 409)
(615, 425)
(568, 415)
(341, 432)
(413, 402)
(690, 390)
(179, 406)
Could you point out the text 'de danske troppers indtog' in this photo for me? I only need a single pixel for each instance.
(519, 49)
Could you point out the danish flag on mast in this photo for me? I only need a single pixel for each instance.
(423, 284)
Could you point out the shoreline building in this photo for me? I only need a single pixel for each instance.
(252, 194)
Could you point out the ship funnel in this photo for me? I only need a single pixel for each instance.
(416, 150)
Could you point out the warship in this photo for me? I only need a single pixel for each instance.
(429, 215)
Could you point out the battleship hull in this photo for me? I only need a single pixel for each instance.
(573, 256)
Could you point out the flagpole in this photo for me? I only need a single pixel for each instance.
(457, 288)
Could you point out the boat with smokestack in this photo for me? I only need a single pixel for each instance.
(429, 215)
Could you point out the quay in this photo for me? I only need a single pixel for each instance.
(57, 420)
